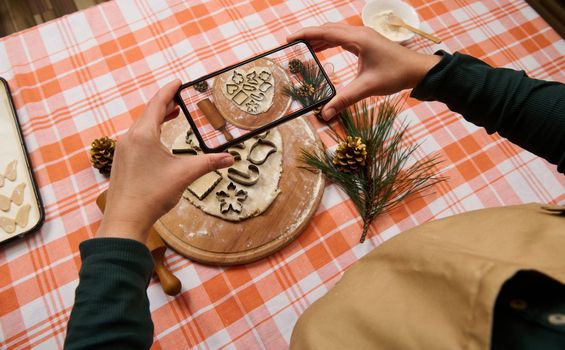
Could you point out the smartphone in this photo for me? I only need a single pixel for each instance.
(246, 99)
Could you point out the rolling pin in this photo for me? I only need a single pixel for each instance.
(169, 282)
(214, 117)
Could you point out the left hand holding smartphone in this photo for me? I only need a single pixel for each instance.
(147, 180)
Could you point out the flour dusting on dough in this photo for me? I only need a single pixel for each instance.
(252, 91)
(258, 197)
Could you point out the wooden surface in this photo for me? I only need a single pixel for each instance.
(16, 15)
(244, 120)
(210, 240)
(553, 11)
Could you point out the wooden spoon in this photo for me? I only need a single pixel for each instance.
(396, 21)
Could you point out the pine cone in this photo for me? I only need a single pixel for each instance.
(306, 90)
(201, 86)
(350, 155)
(102, 154)
(295, 66)
(318, 113)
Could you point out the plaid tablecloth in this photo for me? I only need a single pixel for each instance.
(89, 74)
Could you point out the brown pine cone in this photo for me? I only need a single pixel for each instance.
(350, 155)
(201, 86)
(102, 154)
(306, 90)
(295, 66)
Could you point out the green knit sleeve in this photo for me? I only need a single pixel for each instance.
(528, 112)
(111, 309)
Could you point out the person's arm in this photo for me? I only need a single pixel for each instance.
(528, 112)
(111, 309)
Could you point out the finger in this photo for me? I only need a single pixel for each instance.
(330, 33)
(172, 115)
(193, 167)
(156, 110)
(321, 46)
(352, 93)
(171, 106)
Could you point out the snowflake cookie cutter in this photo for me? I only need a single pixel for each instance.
(232, 199)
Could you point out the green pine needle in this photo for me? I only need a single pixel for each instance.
(310, 74)
(389, 177)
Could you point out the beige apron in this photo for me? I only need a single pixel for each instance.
(435, 286)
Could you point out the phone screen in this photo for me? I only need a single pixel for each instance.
(246, 99)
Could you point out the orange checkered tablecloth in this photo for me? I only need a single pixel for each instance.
(89, 74)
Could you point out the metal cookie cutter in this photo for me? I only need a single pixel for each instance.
(248, 178)
(260, 142)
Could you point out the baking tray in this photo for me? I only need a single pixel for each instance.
(18, 189)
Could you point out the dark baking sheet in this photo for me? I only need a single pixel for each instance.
(32, 226)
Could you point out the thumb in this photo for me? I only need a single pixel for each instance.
(193, 167)
(352, 93)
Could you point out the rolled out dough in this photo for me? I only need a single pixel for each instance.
(251, 91)
(259, 195)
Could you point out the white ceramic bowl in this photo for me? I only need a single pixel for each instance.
(400, 8)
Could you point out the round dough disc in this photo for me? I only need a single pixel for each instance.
(258, 197)
(234, 115)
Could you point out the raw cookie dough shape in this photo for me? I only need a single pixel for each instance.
(10, 172)
(21, 219)
(252, 78)
(202, 186)
(237, 77)
(232, 199)
(232, 88)
(252, 106)
(257, 146)
(248, 178)
(17, 197)
(265, 87)
(248, 87)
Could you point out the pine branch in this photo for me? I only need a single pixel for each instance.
(387, 179)
(310, 74)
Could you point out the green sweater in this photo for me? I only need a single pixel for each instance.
(111, 308)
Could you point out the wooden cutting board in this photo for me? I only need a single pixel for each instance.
(211, 240)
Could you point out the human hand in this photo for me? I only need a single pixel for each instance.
(383, 68)
(146, 179)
